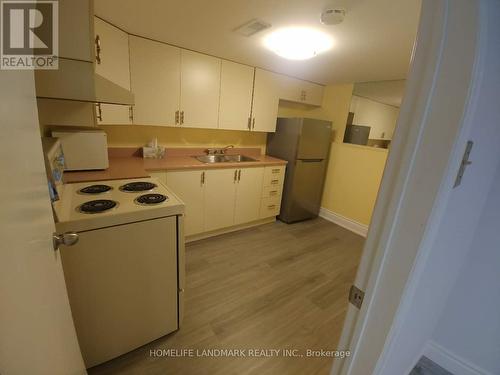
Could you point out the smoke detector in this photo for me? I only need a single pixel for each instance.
(252, 27)
(332, 16)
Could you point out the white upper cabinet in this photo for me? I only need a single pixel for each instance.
(235, 96)
(155, 81)
(298, 91)
(76, 36)
(265, 101)
(113, 65)
(200, 90)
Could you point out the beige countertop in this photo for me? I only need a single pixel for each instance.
(127, 163)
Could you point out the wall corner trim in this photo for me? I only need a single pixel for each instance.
(345, 222)
(450, 361)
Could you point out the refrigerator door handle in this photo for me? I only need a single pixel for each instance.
(310, 160)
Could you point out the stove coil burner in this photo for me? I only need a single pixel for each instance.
(95, 189)
(138, 186)
(97, 206)
(147, 199)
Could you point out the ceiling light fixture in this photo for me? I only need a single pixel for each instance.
(298, 43)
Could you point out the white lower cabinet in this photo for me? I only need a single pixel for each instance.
(220, 194)
(272, 188)
(248, 195)
(221, 198)
(189, 186)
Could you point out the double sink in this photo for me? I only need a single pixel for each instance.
(211, 159)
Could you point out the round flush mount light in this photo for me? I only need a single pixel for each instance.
(298, 43)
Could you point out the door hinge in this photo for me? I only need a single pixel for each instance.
(465, 162)
(356, 296)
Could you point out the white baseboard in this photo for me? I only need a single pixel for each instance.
(218, 232)
(450, 361)
(344, 222)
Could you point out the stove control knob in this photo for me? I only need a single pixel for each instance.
(66, 239)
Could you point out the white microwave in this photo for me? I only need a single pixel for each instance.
(83, 149)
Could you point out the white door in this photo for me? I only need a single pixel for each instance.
(265, 101)
(37, 331)
(235, 96)
(200, 88)
(155, 81)
(220, 194)
(114, 66)
(248, 195)
(417, 183)
(190, 187)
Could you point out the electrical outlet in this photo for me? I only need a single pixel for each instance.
(356, 296)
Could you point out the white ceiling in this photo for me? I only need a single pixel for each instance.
(388, 92)
(373, 43)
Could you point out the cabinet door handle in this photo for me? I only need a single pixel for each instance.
(176, 117)
(131, 113)
(97, 49)
(239, 175)
(182, 117)
(253, 123)
(99, 111)
(235, 176)
(202, 178)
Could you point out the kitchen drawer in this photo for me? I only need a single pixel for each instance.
(274, 176)
(271, 191)
(270, 207)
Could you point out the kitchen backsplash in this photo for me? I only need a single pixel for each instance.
(137, 136)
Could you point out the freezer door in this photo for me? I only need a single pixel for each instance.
(315, 139)
(303, 190)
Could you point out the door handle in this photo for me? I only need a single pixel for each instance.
(131, 113)
(97, 49)
(99, 111)
(66, 239)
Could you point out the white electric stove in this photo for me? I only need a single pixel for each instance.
(125, 275)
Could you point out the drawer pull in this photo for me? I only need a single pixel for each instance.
(277, 170)
(271, 206)
(274, 192)
(274, 182)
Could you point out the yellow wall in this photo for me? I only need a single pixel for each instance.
(353, 179)
(138, 136)
(354, 172)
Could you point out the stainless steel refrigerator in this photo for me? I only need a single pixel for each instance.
(305, 144)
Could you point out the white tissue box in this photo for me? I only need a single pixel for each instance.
(153, 152)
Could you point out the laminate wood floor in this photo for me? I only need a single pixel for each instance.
(276, 286)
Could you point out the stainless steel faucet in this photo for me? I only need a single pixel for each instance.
(218, 151)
